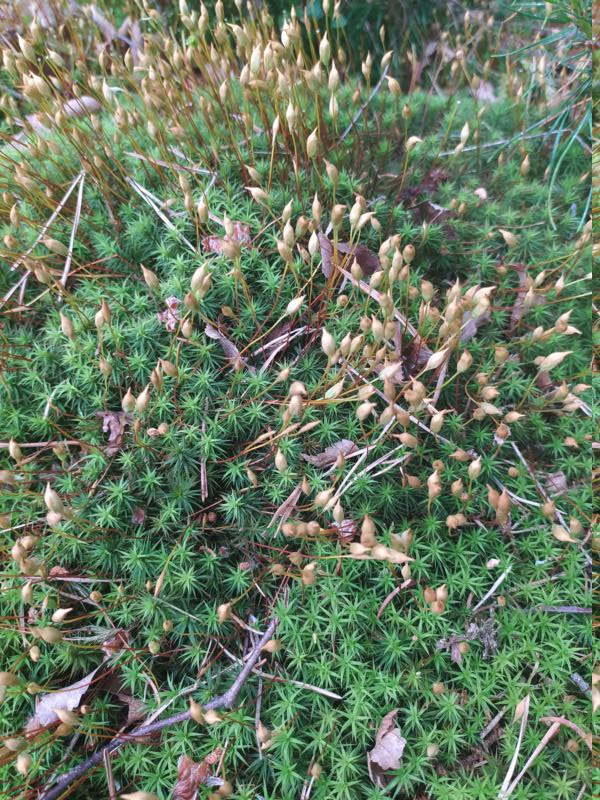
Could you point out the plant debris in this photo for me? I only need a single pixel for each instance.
(115, 423)
(485, 632)
(386, 756)
(329, 456)
(366, 258)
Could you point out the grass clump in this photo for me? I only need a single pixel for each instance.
(282, 343)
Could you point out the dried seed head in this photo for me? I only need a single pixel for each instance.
(48, 634)
(60, 614)
(312, 144)
(23, 763)
(224, 612)
(309, 574)
(66, 326)
(328, 343)
(272, 646)
(429, 595)
(434, 485)
(128, 401)
(151, 278)
(52, 500)
(143, 400)
(474, 469)
(509, 238)
(367, 532)
(280, 461)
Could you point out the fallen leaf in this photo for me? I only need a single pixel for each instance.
(138, 516)
(518, 308)
(432, 213)
(116, 642)
(346, 530)
(416, 355)
(114, 423)
(329, 455)
(241, 236)
(471, 325)
(106, 28)
(227, 345)
(485, 93)
(191, 774)
(366, 258)
(428, 186)
(556, 483)
(388, 750)
(68, 698)
(172, 315)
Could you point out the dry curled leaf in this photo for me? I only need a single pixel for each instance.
(388, 750)
(228, 346)
(114, 423)
(556, 483)
(366, 258)
(240, 236)
(329, 456)
(346, 530)
(471, 325)
(65, 699)
(427, 187)
(191, 774)
(432, 213)
(416, 355)
(484, 93)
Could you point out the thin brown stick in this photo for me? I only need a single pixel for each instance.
(225, 700)
(112, 792)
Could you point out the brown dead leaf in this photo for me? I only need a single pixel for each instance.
(416, 355)
(346, 530)
(116, 642)
(60, 572)
(388, 750)
(138, 516)
(431, 213)
(485, 93)
(114, 423)
(471, 325)
(191, 774)
(228, 346)
(556, 483)
(518, 308)
(241, 236)
(367, 259)
(67, 698)
(544, 381)
(428, 186)
(106, 28)
(329, 455)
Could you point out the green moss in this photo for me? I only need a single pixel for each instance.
(138, 511)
